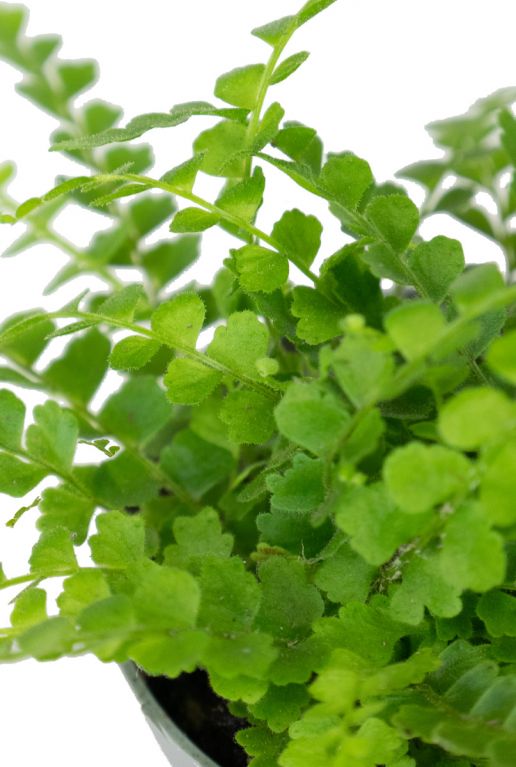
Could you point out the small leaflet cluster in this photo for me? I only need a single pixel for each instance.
(318, 506)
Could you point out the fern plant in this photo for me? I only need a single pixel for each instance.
(317, 507)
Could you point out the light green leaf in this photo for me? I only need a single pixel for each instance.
(395, 218)
(345, 576)
(498, 484)
(421, 476)
(65, 507)
(169, 655)
(467, 542)
(273, 32)
(501, 357)
(224, 149)
(248, 416)
(240, 343)
(183, 176)
(345, 178)
(281, 706)
(169, 258)
(189, 382)
(436, 264)
(310, 9)
(133, 353)
(475, 286)
(249, 654)
(319, 319)
(299, 236)
(119, 541)
(474, 416)
(136, 411)
(80, 590)
(230, 596)
(301, 488)
(12, 418)
(260, 269)
(125, 480)
(122, 305)
(79, 372)
(311, 417)
(241, 86)
(415, 327)
(179, 321)
(424, 584)
(112, 614)
(288, 66)
(48, 640)
(18, 477)
(53, 553)
(166, 598)
(52, 438)
(29, 609)
(363, 366)
(197, 539)
(373, 522)
(244, 198)
(193, 220)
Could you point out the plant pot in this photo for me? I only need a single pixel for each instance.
(209, 722)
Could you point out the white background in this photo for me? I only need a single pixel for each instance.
(378, 72)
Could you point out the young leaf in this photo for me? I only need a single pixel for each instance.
(178, 321)
(197, 539)
(29, 609)
(260, 269)
(122, 305)
(166, 598)
(319, 319)
(345, 576)
(53, 553)
(64, 507)
(193, 220)
(133, 353)
(288, 66)
(244, 198)
(241, 86)
(415, 328)
(474, 416)
(240, 343)
(223, 148)
(119, 541)
(299, 236)
(80, 590)
(345, 178)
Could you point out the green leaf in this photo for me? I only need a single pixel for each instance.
(125, 480)
(498, 611)
(119, 541)
(189, 382)
(53, 553)
(23, 337)
(415, 327)
(301, 144)
(112, 614)
(240, 343)
(467, 540)
(244, 198)
(288, 66)
(474, 416)
(48, 640)
(289, 603)
(122, 305)
(143, 123)
(183, 176)
(373, 522)
(301, 488)
(436, 264)
(299, 236)
(311, 417)
(273, 32)
(249, 655)
(17, 477)
(80, 590)
(501, 357)
(166, 598)
(168, 259)
(195, 464)
(230, 596)
(53, 437)
(310, 9)
(363, 367)
(29, 609)
(475, 286)
(424, 584)
(64, 507)
(419, 476)
(193, 220)
(133, 353)
(345, 178)
(319, 319)
(80, 370)
(241, 86)
(281, 706)
(169, 655)
(198, 538)
(427, 173)
(179, 321)
(260, 269)
(345, 576)
(498, 484)
(136, 411)
(248, 416)
(268, 127)
(395, 218)
(223, 148)
(12, 419)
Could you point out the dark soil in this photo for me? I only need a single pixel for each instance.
(201, 714)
